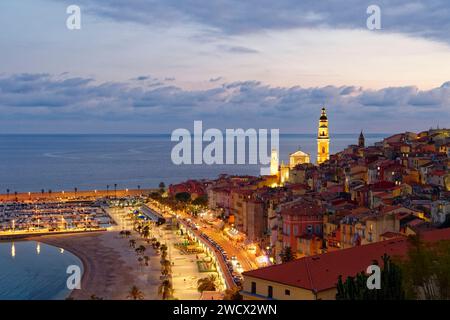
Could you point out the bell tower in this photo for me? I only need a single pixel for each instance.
(361, 140)
(274, 163)
(323, 139)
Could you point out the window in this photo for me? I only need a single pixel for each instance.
(287, 292)
(270, 292)
(253, 287)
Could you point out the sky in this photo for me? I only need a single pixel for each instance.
(151, 66)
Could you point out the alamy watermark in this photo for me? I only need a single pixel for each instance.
(73, 21)
(74, 280)
(373, 22)
(241, 146)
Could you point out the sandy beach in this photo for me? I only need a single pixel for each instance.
(110, 265)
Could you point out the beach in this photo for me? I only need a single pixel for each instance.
(110, 265)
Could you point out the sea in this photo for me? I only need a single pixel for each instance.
(92, 161)
(30, 270)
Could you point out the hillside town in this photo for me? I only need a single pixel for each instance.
(357, 199)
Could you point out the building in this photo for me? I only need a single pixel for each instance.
(361, 140)
(323, 139)
(303, 218)
(274, 163)
(298, 157)
(315, 277)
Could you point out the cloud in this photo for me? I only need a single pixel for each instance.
(141, 78)
(215, 79)
(423, 18)
(236, 49)
(40, 98)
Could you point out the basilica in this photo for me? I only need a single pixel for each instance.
(299, 157)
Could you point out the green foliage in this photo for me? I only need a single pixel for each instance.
(207, 284)
(355, 288)
(201, 201)
(287, 255)
(183, 197)
(427, 270)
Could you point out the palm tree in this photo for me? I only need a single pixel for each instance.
(76, 190)
(115, 190)
(287, 255)
(207, 284)
(135, 294)
(142, 249)
(107, 189)
(7, 192)
(146, 231)
(165, 267)
(162, 187)
(233, 294)
(165, 289)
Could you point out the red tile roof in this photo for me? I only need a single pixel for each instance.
(321, 272)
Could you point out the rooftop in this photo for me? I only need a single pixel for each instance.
(321, 272)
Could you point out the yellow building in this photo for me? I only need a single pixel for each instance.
(274, 163)
(323, 139)
(298, 157)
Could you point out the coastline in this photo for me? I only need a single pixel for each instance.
(110, 267)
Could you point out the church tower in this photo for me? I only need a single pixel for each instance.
(274, 163)
(361, 140)
(323, 139)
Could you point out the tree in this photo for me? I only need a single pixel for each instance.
(287, 255)
(165, 267)
(233, 294)
(135, 294)
(162, 187)
(165, 289)
(201, 201)
(184, 197)
(426, 270)
(207, 284)
(145, 231)
(355, 288)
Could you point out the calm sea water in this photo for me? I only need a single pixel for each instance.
(63, 162)
(26, 274)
